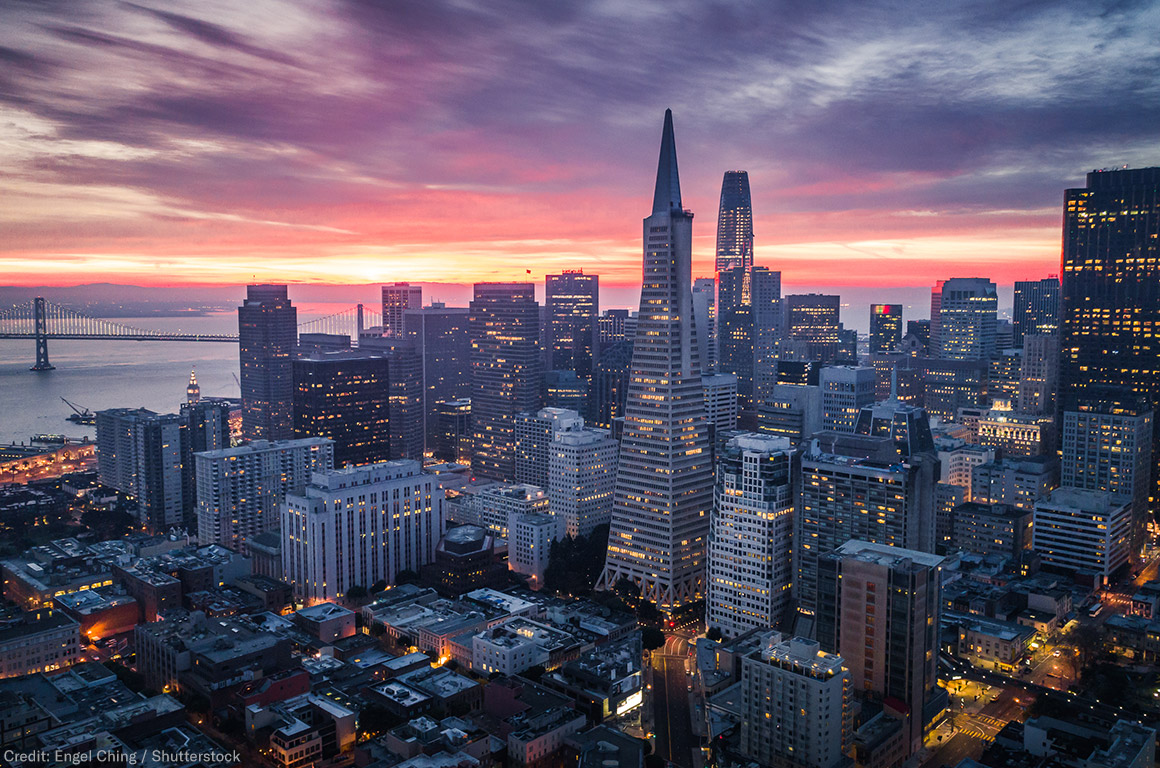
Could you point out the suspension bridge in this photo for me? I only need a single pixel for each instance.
(40, 320)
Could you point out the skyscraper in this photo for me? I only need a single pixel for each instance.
(1036, 308)
(572, 300)
(146, 456)
(534, 433)
(1111, 289)
(705, 315)
(405, 375)
(581, 478)
(967, 319)
(397, 299)
(885, 327)
(813, 318)
(505, 372)
(345, 396)
(1039, 374)
(267, 336)
(934, 332)
(735, 237)
(441, 337)
(846, 389)
(664, 476)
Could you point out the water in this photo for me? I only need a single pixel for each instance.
(118, 374)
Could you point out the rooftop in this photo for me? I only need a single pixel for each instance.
(887, 555)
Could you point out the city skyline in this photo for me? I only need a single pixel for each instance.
(443, 144)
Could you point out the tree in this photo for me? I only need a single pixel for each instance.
(651, 638)
(1088, 640)
(406, 576)
(574, 564)
(534, 673)
(714, 634)
(374, 719)
(356, 592)
(378, 586)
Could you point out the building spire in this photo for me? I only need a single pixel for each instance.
(668, 192)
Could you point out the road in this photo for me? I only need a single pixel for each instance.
(675, 740)
(975, 730)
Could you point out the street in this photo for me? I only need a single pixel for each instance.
(675, 739)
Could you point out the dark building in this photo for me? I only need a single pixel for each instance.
(768, 318)
(572, 301)
(505, 372)
(1036, 308)
(813, 318)
(208, 422)
(465, 560)
(564, 389)
(736, 355)
(267, 339)
(452, 434)
(611, 327)
(847, 349)
(885, 327)
(949, 385)
(1110, 299)
(405, 374)
(397, 299)
(345, 396)
(920, 329)
(441, 337)
(609, 389)
(734, 239)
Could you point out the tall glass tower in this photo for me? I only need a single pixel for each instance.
(267, 336)
(735, 236)
(664, 479)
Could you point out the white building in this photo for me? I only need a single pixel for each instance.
(720, 401)
(530, 545)
(959, 459)
(845, 389)
(751, 535)
(240, 490)
(492, 506)
(1083, 530)
(796, 704)
(512, 647)
(360, 525)
(534, 433)
(581, 479)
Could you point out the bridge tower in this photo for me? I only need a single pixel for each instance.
(40, 327)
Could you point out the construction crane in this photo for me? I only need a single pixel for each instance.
(80, 415)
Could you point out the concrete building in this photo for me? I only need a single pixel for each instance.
(582, 478)
(572, 305)
(879, 610)
(751, 535)
(144, 455)
(959, 459)
(1081, 531)
(38, 641)
(885, 327)
(534, 433)
(240, 490)
(345, 396)
(987, 529)
(1039, 376)
(720, 401)
(1019, 482)
(359, 525)
(791, 410)
(796, 705)
(398, 298)
(530, 544)
(441, 338)
(966, 319)
(492, 506)
(846, 389)
(517, 644)
(1015, 434)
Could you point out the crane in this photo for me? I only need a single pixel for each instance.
(80, 415)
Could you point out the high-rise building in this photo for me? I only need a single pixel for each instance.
(967, 319)
(1107, 446)
(720, 401)
(208, 421)
(1110, 299)
(813, 318)
(885, 327)
(751, 535)
(360, 525)
(1039, 374)
(534, 433)
(240, 490)
(664, 475)
(582, 478)
(879, 610)
(920, 329)
(572, 302)
(1019, 482)
(1004, 374)
(492, 506)
(564, 389)
(505, 372)
(949, 385)
(736, 350)
(345, 396)
(768, 319)
(934, 329)
(1036, 308)
(796, 705)
(611, 327)
(397, 299)
(146, 456)
(846, 389)
(1083, 531)
(877, 486)
(267, 337)
(452, 438)
(442, 339)
(530, 544)
(735, 237)
(609, 390)
(793, 411)
(705, 317)
(404, 374)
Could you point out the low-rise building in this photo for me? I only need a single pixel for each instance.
(38, 641)
(518, 644)
(990, 643)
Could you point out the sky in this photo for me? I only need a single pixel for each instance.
(345, 141)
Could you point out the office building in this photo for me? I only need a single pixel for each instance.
(991, 529)
(796, 703)
(505, 372)
(37, 642)
(609, 391)
(736, 353)
(145, 455)
(441, 337)
(267, 338)
(1039, 375)
(1083, 531)
(949, 385)
(240, 490)
(877, 487)
(1012, 433)
(345, 396)
(885, 327)
(453, 437)
(845, 391)
(768, 322)
(813, 318)
(959, 459)
(564, 389)
(1019, 482)
(572, 302)
(734, 238)
(705, 318)
(720, 401)
(1107, 446)
(791, 410)
(582, 478)
(534, 433)
(404, 373)
(612, 328)
(1036, 308)
(967, 319)
(397, 299)
(1004, 374)
(880, 612)
(360, 525)
(208, 422)
(751, 535)
(920, 329)
(664, 475)
(492, 506)
(530, 544)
